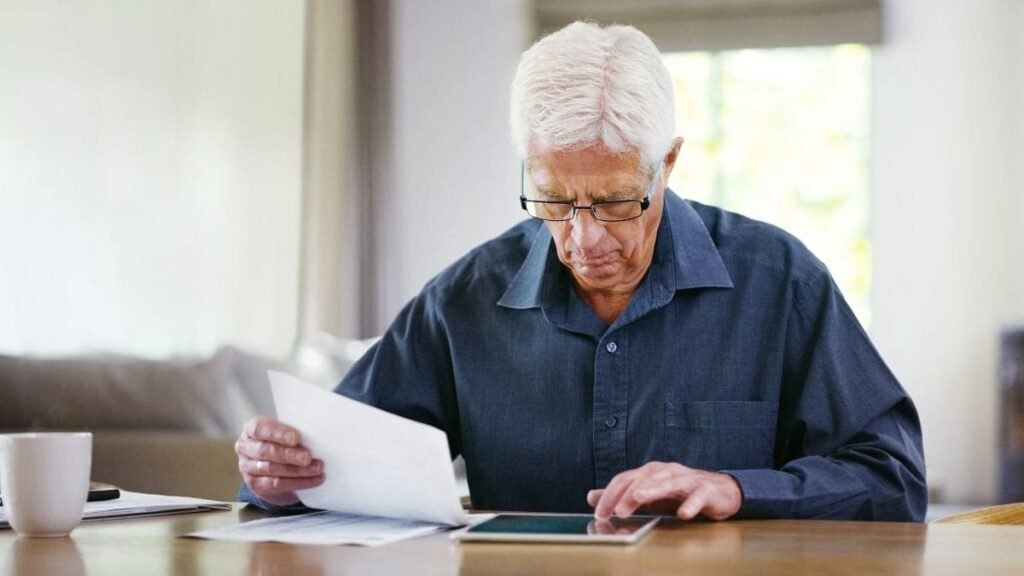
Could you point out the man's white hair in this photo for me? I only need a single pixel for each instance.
(585, 85)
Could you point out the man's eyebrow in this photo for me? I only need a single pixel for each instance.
(624, 192)
(550, 194)
(620, 194)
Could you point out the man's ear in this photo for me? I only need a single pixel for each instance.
(670, 158)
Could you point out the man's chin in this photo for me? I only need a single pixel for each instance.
(598, 276)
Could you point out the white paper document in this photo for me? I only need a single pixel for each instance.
(330, 528)
(375, 463)
(134, 504)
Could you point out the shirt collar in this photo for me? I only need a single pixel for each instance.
(685, 257)
(695, 258)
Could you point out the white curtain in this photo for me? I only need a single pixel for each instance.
(329, 270)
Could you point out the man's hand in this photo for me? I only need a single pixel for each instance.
(274, 463)
(668, 488)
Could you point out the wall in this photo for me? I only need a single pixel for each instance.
(455, 174)
(946, 221)
(149, 175)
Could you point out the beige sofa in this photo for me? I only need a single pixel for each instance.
(166, 427)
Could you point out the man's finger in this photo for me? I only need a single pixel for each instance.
(652, 487)
(618, 496)
(276, 453)
(628, 502)
(694, 504)
(612, 493)
(594, 496)
(268, 429)
(272, 485)
(626, 505)
(675, 487)
(268, 468)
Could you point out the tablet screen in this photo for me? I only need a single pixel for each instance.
(560, 527)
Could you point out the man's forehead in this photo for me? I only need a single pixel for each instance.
(550, 166)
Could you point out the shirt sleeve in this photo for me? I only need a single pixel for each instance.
(409, 372)
(848, 443)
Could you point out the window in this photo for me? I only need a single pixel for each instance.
(781, 135)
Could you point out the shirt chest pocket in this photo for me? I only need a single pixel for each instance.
(720, 435)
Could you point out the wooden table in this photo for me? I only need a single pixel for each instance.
(153, 546)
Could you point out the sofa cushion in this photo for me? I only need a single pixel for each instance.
(177, 463)
(323, 359)
(116, 392)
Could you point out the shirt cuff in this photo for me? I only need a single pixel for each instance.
(246, 495)
(763, 493)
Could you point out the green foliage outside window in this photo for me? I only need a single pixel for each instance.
(782, 135)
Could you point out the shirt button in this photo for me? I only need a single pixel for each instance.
(611, 347)
(611, 421)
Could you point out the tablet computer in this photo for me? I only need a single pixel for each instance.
(558, 528)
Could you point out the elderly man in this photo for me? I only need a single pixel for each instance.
(626, 349)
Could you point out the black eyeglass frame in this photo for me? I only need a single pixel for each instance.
(645, 202)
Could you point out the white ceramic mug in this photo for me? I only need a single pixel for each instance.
(45, 479)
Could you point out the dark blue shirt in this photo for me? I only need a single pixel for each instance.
(737, 353)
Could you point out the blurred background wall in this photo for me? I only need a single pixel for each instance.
(947, 220)
(150, 175)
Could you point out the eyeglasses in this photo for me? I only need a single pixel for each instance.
(603, 210)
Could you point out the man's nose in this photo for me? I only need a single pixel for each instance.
(587, 231)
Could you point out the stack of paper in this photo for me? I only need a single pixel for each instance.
(134, 504)
(323, 528)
